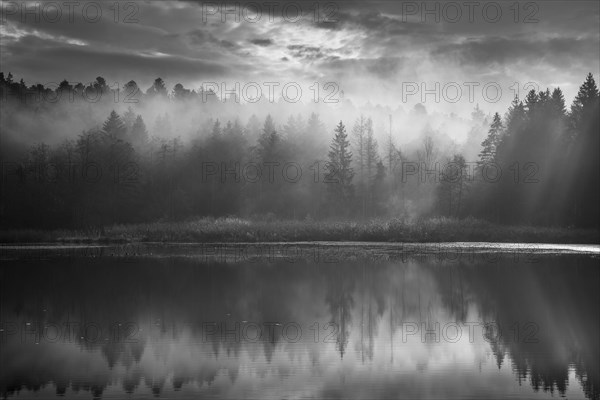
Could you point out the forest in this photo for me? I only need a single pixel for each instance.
(536, 163)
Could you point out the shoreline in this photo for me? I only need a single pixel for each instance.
(237, 230)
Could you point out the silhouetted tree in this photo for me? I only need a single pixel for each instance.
(585, 133)
(114, 126)
(158, 89)
(340, 171)
(488, 151)
(139, 134)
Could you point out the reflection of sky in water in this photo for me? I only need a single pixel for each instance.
(297, 370)
(374, 306)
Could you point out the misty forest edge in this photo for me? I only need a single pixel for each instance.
(355, 181)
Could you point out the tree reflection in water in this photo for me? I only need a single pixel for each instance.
(328, 329)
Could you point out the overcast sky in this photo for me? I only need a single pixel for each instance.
(370, 51)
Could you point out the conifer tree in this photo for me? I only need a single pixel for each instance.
(488, 152)
(114, 126)
(340, 171)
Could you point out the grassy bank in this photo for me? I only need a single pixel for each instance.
(242, 230)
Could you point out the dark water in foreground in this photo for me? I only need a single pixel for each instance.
(307, 322)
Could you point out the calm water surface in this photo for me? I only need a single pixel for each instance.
(304, 321)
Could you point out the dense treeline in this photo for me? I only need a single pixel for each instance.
(538, 165)
(549, 158)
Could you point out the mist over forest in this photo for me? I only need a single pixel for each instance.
(360, 199)
(87, 155)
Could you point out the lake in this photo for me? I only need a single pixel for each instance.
(327, 321)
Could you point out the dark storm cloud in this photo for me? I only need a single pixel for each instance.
(227, 44)
(262, 42)
(116, 65)
(44, 51)
(370, 42)
(500, 50)
(385, 25)
(309, 53)
(103, 33)
(198, 37)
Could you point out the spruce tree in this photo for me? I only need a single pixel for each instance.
(340, 172)
(584, 154)
(114, 126)
(139, 133)
(488, 152)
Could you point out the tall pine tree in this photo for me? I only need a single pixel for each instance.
(340, 171)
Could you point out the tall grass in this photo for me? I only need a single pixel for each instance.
(268, 230)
